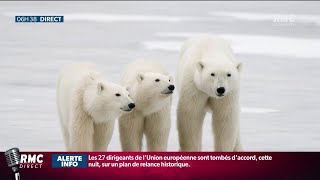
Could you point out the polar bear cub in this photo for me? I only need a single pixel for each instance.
(88, 106)
(208, 79)
(150, 87)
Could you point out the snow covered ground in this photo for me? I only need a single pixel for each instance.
(278, 42)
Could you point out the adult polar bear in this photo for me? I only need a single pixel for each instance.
(208, 80)
(88, 106)
(150, 87)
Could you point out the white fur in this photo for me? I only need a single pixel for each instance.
(201, 56)
(88, 107)
(151, 116)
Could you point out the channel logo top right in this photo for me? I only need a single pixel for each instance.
(284, 19)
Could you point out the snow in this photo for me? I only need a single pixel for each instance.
(257, 110)
(279, 87)
(249, 44)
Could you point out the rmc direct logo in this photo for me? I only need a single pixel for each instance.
(31, 161)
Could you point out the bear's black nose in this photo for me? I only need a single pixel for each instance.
(221, 90)
(131, 105)
(171, 87)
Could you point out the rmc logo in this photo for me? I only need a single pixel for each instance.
(31, 161)
(288, 19)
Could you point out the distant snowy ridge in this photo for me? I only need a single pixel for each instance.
(247, 44)
(126, 17)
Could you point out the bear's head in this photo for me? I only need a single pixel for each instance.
(151, 91)
(104, 100)
(217, 79)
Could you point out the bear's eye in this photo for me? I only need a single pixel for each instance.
(229, 75)
(118, 94)
(169, 80)
(157, 80)
(212, 74)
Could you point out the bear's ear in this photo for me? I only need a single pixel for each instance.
(200, 66)
(100, 87)
(140, 77)
(239, 66)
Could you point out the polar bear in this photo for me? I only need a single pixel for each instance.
(150, 87)
(208, 80)
(88, 106)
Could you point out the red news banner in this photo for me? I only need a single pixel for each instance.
(167, 165)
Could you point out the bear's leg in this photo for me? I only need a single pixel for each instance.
(190, 116)
(102, 135)
(64, 130)
(238, 146)
(225, 122)
(131, 131)
(157, 128)
(81, 133)
(66, 137)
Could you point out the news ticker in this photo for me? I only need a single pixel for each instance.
(166, 165)
(39, 19)
(121, 161)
